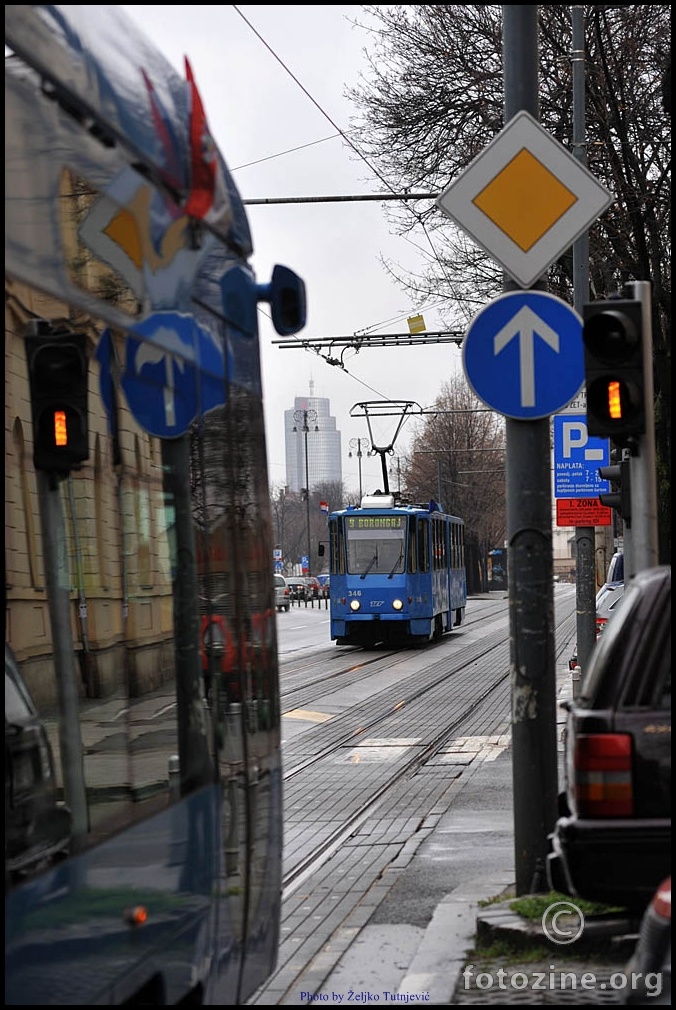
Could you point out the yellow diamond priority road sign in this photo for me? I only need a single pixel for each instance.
(525, 199)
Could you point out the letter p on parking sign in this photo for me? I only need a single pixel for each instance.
(577, 457)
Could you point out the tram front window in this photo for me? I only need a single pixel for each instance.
(379, 552)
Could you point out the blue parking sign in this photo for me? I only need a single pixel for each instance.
(577, 458)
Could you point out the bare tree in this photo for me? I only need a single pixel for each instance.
(432, 100)
(457, 458)
(289, 517)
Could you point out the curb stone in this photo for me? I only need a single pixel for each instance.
(610, 934)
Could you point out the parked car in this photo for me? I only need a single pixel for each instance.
(612, 841)
(650, 963)
(608, 599)
(298, 589)
(282, 593)
(37, 824)
(616, 568)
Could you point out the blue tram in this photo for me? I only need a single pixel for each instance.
(397, 573)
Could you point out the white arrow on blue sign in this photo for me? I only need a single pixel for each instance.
(173, 369)
(523, 354)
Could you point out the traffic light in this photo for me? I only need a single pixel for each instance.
(619, 497)
(613, 359)
(58, 373)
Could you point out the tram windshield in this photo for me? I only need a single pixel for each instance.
(376, 546)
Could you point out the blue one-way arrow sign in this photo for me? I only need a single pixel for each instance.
(523, 354)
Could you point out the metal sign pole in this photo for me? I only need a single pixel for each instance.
(585, 536)
(529, 532)
(644, 548)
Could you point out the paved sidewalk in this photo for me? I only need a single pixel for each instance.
(474, 949)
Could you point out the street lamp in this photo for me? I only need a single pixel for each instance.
(308, 417)
(357, 443)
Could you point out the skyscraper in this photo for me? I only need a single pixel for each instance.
(324, 456)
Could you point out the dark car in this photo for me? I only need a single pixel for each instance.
(650, 963)
(298, 589)
(612, 841)
(37, 825)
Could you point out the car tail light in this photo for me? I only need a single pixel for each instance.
(603, 775)
(662, 900)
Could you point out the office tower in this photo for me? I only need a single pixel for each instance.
(324, 456)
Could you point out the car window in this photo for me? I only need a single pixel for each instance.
(18, 702)
(17, 709)
(650, 684)
(280, 580)
(628, 646)
(616, 568)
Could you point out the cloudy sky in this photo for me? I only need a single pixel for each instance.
(272, 79)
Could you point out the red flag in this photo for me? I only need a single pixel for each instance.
(208, 196)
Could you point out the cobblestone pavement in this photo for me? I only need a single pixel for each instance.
(513, 964)
(549, 982)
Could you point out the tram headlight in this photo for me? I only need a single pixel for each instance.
(355, 605)
(397, 604)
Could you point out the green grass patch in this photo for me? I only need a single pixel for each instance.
(497, 898)
(503, 950)
(534, 906)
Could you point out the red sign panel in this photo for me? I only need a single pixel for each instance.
(582, 512)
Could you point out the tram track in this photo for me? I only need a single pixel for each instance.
(316, 859)
(441, 674)
(360, 662)
(457, 684)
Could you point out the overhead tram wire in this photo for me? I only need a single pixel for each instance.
(341, 199)
(348, 141)
(373, 340)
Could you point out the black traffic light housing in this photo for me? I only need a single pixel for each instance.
(619, 497)
(58, 374)
(612, 335)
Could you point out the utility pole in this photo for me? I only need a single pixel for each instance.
(529, 532)
(307, 417)
(356, 444)
(585, 536)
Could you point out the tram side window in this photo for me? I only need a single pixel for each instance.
(423, 547)
(412, 563)
(337, 551)
(438, 544)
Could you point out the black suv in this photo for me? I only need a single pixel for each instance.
(612, 842)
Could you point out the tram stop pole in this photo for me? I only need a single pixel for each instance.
(529, 536)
